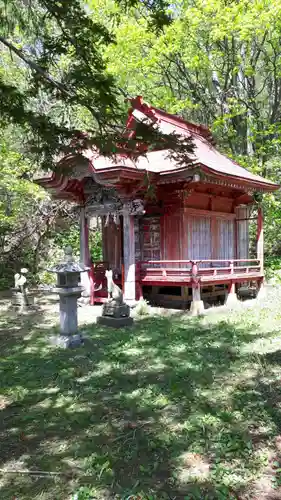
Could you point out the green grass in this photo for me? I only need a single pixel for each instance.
(174, 408)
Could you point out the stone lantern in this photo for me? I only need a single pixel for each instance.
(68, 289)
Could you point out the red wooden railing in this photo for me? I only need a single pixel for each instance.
(188, 270)
(180, 272)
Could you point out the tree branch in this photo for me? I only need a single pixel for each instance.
(35, 67)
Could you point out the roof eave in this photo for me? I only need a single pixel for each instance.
(263, 186)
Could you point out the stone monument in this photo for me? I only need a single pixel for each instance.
(115, 312)
(68, 274)
(21, 301)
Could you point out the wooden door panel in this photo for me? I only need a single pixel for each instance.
(150, 238)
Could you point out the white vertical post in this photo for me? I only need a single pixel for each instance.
(197, 305)
(82, 235)
(260, 253)
(231, 297)
(84, 252)
(129, 258)
(260, 242)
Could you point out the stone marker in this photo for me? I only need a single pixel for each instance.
(68, 274)
(21, 299)
(115, 312)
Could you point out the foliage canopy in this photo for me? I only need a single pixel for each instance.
(66, 68)
(63, 88)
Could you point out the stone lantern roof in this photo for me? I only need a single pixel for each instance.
(68, 265)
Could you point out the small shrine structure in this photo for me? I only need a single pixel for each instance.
(188, 242)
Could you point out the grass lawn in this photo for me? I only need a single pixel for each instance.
(174, 408)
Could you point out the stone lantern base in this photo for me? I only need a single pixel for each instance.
(114, 322)
(115, 314)
(21, 301)
(66, 341)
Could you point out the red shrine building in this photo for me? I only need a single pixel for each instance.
(186, 244)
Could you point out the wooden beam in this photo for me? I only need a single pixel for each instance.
(212, 203)
(243, 199)
(200, 212)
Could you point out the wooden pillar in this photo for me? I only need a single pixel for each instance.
(84, 252)
(231, 298)
(197, 305)
(260, 238)
(129, 258)
(139, 290)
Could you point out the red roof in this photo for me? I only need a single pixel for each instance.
(206, 157)
(205, 153)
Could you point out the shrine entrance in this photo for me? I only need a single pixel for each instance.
(112, 245)
(119, 236)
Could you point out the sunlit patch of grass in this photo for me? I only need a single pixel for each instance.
(171, 408)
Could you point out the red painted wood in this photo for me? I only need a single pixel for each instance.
(111, 242)
(209, 201)
(192, 273)
(172, 240)
(208, 213)
(205, 280)
(196, 260)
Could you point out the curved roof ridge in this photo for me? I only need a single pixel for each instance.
(156, 113)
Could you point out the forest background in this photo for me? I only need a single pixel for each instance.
(67, 68)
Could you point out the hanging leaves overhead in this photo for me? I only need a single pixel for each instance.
(65, 88)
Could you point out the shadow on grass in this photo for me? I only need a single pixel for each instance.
(142, 410)
(261, 397)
